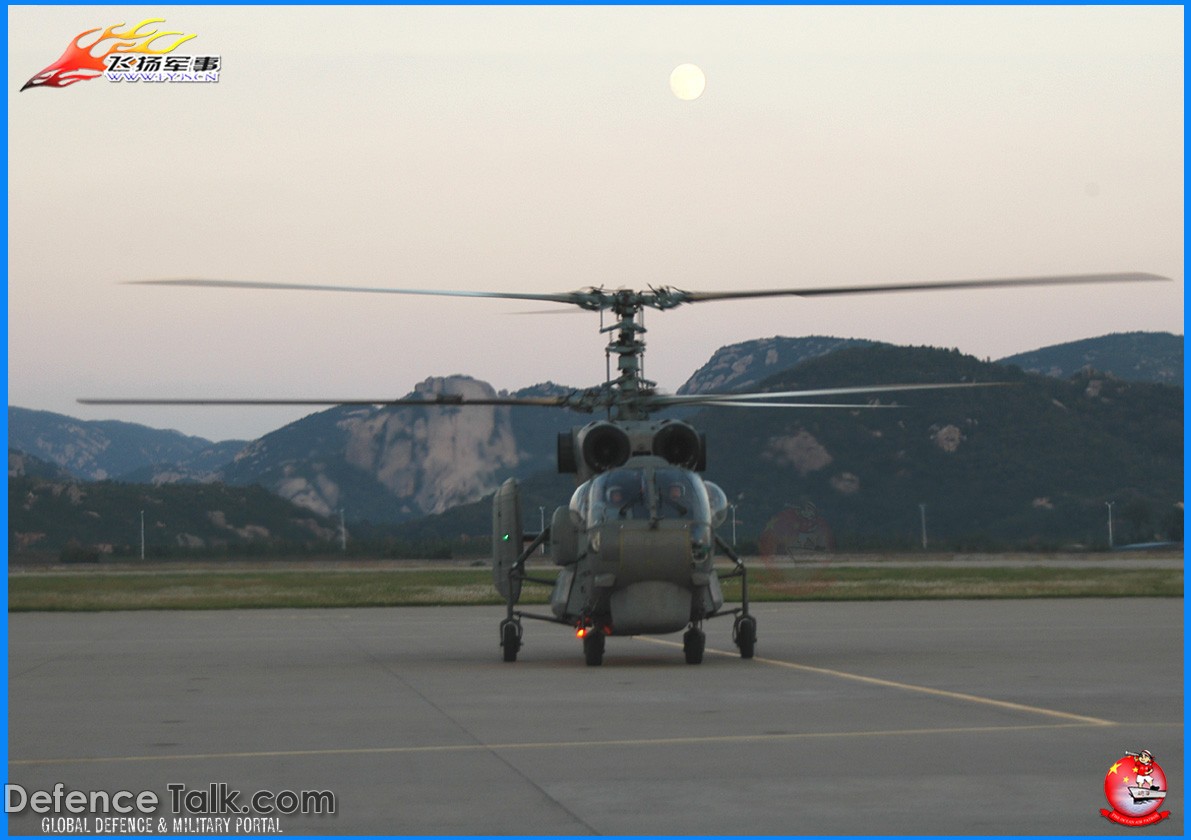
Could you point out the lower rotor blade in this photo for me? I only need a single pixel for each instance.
(700, 399)
(733, 404)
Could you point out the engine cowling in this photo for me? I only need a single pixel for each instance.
(680, 445)
(604, 446)
(566, 453)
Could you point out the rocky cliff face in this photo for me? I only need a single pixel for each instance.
(387, 463)
(434, 459)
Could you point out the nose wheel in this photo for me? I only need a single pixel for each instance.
(510, 638)
(694, 641)
(593, 647)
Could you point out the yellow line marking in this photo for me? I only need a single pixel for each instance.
(921, 689)
(551, 745)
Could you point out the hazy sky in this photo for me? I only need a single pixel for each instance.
(540, 149)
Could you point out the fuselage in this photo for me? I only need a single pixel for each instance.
(637, 549)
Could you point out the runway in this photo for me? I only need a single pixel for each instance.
(954, 717)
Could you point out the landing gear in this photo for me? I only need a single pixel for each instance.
(510, 638)
(693, 642)
(744, 630)
(593, 647)
(744, 634)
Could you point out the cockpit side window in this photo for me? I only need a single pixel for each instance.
(581, 499)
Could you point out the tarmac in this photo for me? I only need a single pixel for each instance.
(909, 717)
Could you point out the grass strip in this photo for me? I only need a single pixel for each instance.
(207, 590)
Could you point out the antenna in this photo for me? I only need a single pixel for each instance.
(641, 369)
(607, 354)
(607, 364)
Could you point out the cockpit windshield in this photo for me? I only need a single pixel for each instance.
(645, 493)
(681, 494)
(619, 494)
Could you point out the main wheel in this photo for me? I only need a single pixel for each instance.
(693, 642)
(745, 632)
(510, 639)
(593, 647)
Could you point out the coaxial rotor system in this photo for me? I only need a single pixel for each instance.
(630, 396)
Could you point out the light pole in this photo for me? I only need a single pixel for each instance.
(1109, 505)
(733, 524)
(542, 525)
(922, 515)
(342, 533)
(142, 535)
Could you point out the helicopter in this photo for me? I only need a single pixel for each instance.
(636, 545)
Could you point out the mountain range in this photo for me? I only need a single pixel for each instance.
(1133, 357)
(385, 464)
(95, 450)
(1030, 462)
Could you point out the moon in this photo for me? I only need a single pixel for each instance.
(687, 81)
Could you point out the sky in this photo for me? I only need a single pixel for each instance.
(540, 149)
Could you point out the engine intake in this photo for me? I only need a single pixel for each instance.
(680, 444)
(604, 446)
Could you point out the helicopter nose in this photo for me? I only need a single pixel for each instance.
(641, 550)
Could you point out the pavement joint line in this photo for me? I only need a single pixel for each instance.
(921, 689)
(552, 745)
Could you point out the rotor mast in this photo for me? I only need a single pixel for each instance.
(630, 386)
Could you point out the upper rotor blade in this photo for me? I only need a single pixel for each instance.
(579, 298)
(437, 400)
(670, 297)
(1055, 280)
(702, 399)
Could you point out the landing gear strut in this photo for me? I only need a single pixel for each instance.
(744, 630)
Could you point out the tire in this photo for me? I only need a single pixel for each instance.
(746, 636)
(510, 640)
(693, 643)
(593, 647)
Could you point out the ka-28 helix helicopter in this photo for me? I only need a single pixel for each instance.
(636, 543)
